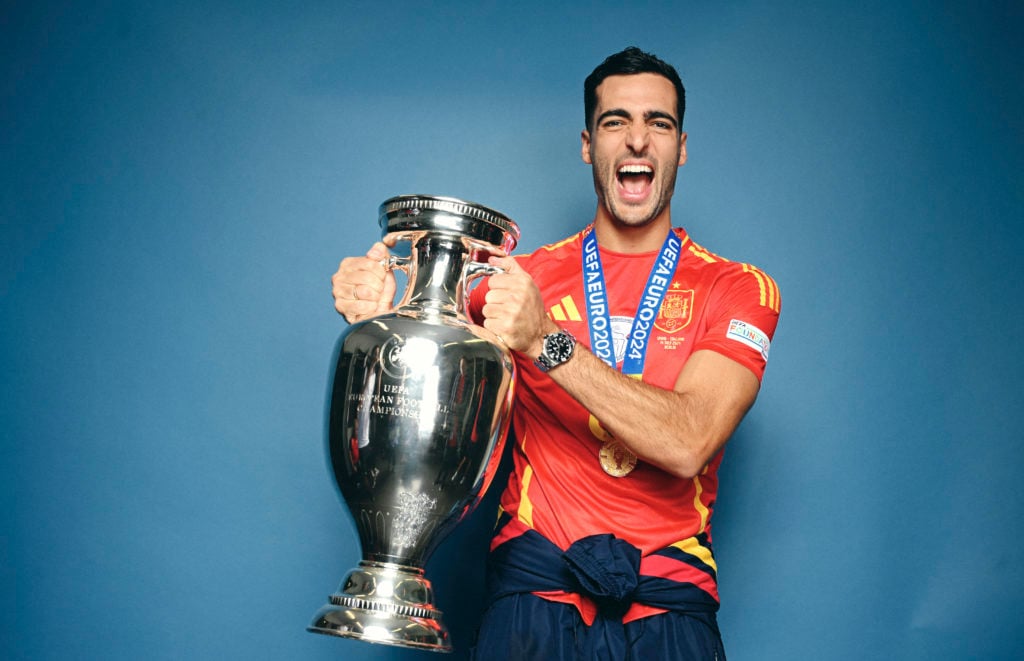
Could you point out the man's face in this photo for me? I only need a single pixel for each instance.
(635, 147)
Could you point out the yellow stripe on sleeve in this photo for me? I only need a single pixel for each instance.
(555, 246)
(769, 290)
(760, 283)
(703, 254)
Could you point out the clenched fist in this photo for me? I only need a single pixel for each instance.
(364, 287)
(513, 309)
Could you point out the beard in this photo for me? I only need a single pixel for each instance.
(609, 185)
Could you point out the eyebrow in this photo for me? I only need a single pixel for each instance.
(648, 116)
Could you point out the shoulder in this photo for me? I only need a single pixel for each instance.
(554, 256)
(728, 276)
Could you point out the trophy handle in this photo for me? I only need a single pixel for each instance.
(474, 271)
(398, 263)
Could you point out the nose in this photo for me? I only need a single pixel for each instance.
(638, 137)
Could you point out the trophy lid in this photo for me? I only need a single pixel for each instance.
(406, 213)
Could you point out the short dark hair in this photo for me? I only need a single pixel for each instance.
(630, 61)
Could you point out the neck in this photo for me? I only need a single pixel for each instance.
(613, 235)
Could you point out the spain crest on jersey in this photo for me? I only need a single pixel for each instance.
(676, 311)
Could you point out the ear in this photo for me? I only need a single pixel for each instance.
(682, 149)
(585, 149)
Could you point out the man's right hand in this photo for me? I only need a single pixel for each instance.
(363, 287)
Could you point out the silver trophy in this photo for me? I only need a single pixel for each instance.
(418, 419)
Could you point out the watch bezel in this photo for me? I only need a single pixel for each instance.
(558, 348)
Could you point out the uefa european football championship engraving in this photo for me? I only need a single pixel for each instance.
(418, 417)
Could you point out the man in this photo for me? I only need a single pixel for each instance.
(638, 353)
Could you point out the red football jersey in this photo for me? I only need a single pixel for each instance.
(557, 486)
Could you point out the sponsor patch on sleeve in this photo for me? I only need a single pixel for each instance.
(750, 335)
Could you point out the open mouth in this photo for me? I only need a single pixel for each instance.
(635, 179)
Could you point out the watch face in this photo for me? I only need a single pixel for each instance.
(559, 347)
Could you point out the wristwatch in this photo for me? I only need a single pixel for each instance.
(558, 348)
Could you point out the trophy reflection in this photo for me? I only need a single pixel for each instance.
(418, 418)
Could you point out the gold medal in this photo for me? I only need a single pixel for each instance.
(616, 460)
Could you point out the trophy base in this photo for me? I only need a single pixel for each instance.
(385, 603)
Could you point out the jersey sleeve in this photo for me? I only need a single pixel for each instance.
(744, 313)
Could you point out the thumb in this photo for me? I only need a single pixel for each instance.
(377, 251)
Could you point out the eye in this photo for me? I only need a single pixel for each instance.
(662, 125)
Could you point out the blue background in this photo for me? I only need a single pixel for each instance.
(179, 180)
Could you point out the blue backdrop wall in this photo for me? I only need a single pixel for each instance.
(179, 180)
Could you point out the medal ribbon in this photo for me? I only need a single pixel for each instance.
(599, 319)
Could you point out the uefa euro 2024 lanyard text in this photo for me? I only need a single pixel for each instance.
(615, 459)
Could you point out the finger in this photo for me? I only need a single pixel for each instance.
(344, 285)
(505, 281)
(354, 269)
(494, 296)
(354, 311)
(491, 312)
(361, 269)
(340, 285)
(368, 292)
(386, 296)
(495, 326)
(506, 264)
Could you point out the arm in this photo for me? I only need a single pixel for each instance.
(678, 430)
(362, 287)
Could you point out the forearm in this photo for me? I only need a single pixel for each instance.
(677, 430)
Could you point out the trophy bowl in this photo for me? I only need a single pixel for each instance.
(419, 413)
